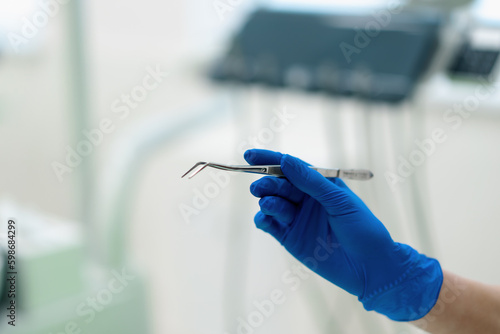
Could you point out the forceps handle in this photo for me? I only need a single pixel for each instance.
(275, 170)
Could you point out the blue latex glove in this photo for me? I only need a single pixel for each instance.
(328, 228)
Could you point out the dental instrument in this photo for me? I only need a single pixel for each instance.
(275, 170)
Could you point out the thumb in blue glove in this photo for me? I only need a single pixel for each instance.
(304, 209)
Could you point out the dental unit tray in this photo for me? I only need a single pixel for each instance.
(275, 170)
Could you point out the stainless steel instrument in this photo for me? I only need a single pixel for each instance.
(275, 170)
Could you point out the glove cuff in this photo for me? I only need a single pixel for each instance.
(412, 295)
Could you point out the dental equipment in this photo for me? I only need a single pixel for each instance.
(275, 170)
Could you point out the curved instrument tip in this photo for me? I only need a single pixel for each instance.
(198, 167)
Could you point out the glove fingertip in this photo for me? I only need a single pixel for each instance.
(254, 189)
(266, 202)
(262, 221)
(249, 156)
(269, 225)
(262, 186)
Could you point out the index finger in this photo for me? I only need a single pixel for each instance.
(262, 157)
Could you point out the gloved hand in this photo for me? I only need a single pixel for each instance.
(328, 228)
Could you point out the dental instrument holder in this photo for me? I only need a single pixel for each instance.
(328, 52)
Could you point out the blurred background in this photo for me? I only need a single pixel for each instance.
(105, 104)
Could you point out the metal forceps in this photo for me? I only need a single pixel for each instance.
(275, 170)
